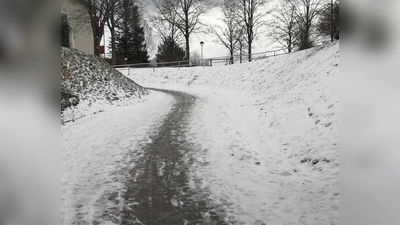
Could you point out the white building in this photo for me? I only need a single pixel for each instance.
(81, 36)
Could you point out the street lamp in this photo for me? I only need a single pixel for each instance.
(126, 62)
(202, 43)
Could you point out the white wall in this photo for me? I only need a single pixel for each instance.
(82, 33)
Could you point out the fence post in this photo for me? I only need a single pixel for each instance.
(179, 65)
(129, 72)
(154, 68)
(274, 53)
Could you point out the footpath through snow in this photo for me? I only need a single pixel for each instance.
(264, 138)
(98, 152)
(267, 135)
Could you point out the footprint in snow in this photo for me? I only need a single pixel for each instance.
(259, 222)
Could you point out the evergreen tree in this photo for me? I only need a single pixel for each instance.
(130, 37)
(170, 51)
(65, 31)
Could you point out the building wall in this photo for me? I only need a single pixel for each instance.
(82, 36)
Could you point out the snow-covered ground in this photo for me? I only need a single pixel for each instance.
(266, 136)
(96, 155)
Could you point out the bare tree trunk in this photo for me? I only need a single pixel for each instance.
(111, 26)
(240, 51)
(250, 41)
(231, 56)
(187, 47)
(97, 34)
(249, 51)
(96, 41)
(113, 49)
(187, 35)
(331, 20)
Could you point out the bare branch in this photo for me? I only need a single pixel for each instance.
(252, 14)
(184, 15)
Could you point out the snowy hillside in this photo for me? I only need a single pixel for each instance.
(267, 134)
(89, 85)
(297, 96)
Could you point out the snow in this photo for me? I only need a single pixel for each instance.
(266, 136)
(96, 155)
(89, 85)
(280, 113)
(280, 190)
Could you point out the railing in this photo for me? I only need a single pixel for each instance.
(216, 61)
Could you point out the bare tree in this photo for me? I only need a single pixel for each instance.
(252, 13)
(111, 23)
(284, 24)
(99, 12)
(307, 12)
(242, 45)
(328, 24)
(184, 15)
(167, 30)
(231, 32)
(170, 47)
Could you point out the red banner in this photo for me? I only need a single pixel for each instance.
(101, 49)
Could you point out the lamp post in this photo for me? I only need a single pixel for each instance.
(126, 62)
(202, 43)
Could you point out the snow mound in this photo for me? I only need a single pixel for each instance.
(89, 85)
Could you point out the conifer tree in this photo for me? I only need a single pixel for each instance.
(170, 51)
(65, 31)
(130, 36)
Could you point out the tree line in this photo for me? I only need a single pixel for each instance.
(294, 24)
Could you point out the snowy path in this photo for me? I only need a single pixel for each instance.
(258, 144)
(190, 156)
(159, 192)
(97, 154)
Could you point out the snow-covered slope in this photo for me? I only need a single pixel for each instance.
(267, 134)
(297, 95)
(89, 85)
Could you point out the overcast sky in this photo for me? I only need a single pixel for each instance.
(211, 49)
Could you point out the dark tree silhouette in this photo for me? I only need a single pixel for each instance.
(169, 51)
(325, 23)
(307, 12)
(129, 37)
(65, 31)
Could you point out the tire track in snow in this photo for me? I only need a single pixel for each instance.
(160, 194)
